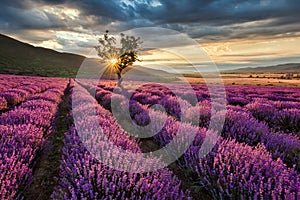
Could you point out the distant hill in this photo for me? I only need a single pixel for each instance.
(283, 68)
(20, 58)
(24, 59)
(92, 68)
(139, 73)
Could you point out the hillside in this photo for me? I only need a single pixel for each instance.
(92, 68)
(20, 58)
(282, 68)
(24, 59)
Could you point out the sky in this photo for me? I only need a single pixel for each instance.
(233, 33)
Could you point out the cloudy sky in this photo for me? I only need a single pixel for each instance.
(233, 33)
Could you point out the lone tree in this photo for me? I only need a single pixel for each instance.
(118, 55)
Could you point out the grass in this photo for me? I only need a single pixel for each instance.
(244, 79)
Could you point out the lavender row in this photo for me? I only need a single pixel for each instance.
(281, 114)
(22, 132)
(237, 171)
(82, 176)
(236, 95)
(239, 124)
(262, 177)
(85, 107)
(246, 174)
(11, 81)
(14, 81)
(12, 97)
(18, 146)
(232, 170)
(240, 95)
(37, 105)
(243, 127)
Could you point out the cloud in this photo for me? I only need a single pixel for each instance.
(31, 19)
(224, 19)
(204, 19)
(74, 26)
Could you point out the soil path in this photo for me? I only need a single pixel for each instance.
(148, 145)
(46, 166)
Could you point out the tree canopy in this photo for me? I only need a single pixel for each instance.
(118, 54)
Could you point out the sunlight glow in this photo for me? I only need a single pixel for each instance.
(62, 12)
(253, 51)
(113, 63)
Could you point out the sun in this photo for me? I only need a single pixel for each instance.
(113, 61)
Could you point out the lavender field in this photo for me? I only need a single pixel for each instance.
(256, 156)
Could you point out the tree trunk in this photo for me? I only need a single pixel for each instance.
(119, 84)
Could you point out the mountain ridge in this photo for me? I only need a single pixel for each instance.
(280, 68)
(17, 57)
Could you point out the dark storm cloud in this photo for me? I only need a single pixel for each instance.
(198, 18)
(204, 20)
(114, 10)
(217, 12)
(25, 4)
(223, 19)
(13, 17)
(18, 15)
